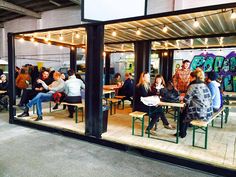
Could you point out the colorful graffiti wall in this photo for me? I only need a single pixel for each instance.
(224, 65)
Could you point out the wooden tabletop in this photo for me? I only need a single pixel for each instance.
(110, 87)
(108, 91)
(180, 105)
(230, 93)
(2, 91)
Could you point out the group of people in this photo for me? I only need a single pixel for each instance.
(202, 96)
(46, 89)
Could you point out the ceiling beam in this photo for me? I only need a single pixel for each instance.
(76, 2)
(17, 9)
(1, 25)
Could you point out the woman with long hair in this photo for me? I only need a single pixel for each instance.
(158, 84)
(143, 89)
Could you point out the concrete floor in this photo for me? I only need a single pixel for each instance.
(26, 152)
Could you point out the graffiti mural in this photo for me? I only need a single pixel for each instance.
(225, 66)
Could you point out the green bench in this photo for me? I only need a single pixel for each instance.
(203, 126)
(138, 116)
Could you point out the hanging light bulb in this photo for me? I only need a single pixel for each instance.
(113, 33)
(61, 47)
(32, 39)
(77, 35)
(206, 41)
(191, 41)
(22, 39)
(138, 32)
(61, 37)
(221, 40)
(165, 53)
(196, 23)
(233, 14)
(104, 54)
(49, 43)
(72, 48)
(165, 29)
(46, 38)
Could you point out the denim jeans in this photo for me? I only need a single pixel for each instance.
(40, 97)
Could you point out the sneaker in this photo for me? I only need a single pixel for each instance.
(169, 127)
(39, 118)
(24, 114)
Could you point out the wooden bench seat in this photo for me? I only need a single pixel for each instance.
(138, 116)
(77, 107)
(113, 103)
(121, 98)
(203, 125)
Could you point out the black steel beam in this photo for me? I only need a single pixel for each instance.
(107, 68)
(73, 54)
(166, 63)
(142, 52)
(11, 72)
(94, 80)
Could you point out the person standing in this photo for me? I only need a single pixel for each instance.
(181, 77)
(73, 88)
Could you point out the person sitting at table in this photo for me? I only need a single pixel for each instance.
(22, 81)
(3, 96)
(117, 80)
(55, 86)
(142, 90)
(72, 91)
(158, 84)
(215, 90)
(198, 102)
(29, 94)
(127, 88)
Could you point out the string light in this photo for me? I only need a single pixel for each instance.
(61, 47)
(46, 38)
(138, 32)
(32, 39)
(61, 37)
(113, 33)
(165, 29)
(191, 41)
(221, 40)
(165, 53)
(22, 39)
(233, 14)
(206, 41)
(49, 43)
(196, 23)
(77, 35)
(72, 48)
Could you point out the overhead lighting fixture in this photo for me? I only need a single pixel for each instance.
(191, 42)
(46, 38)
(61, 47)
(206, 41)
(77, 35)
(138, 32)
(61, 37)
(165, 53)
(113, 33)
(233, 14)
(36, 43)
(196, 23)
(165, 29)
(22, 39)
(32, 39)
(49, 43)
(221, 40)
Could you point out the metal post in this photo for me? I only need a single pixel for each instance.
(107, 68)
(94, 80)
(73, 54)
(11, 72)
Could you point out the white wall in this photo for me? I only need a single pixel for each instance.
(159, 6)
(54, 18)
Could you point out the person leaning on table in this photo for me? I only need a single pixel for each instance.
(56, 86)
(73, 88)
(142, 90)
(198, 102)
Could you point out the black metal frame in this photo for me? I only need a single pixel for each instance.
(94, 66)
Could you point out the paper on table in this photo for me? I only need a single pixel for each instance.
(150, 100)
